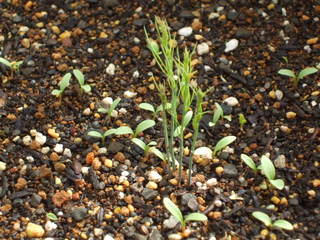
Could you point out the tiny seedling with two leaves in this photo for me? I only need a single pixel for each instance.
(175, 211)
(108, 110)
(148, 148)
(266, 167)
(297, 77)
(14, 66)
(282, 224)
(81, 80)
(242, 120)
(217, 115)
(155, 111)
(63, 84)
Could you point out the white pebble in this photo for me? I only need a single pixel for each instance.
(154, 176)
(202, 48)
(50, 226)
(58, 148)
(212, 182)
(3, 166)
(186, 31)
(203, 152)
(136, 74)
(40, 138)
(129, 94)
(231, 45)
(67, 153)
(125, 173)
(97, 232)
(27, 140)
(107, 101)
(231, 101)
(45, 150)
(280, 161)
(90, 50)
(307, 48)
(123, 111)
(114, 113)
(30, 159)
(87, 111)
(33, 132)
(85, 170)
(102, 150)
(111, 69)
(108, 237)
(279, 94)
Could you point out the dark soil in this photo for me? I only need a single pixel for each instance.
(93, 200)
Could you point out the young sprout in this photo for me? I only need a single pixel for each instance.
(150, 108)
(100, 135)
(296, 78)
(110, 109)
(217, 115)
(250, 163)
(222, 143)
(80, 77)
(242, 120)
(144, 125)
(148, 148)
(52, 216)
(63, 84)
(175, 211)
(14, 66)
(282, 224)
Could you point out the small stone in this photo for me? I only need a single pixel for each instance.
(58, 148)
(311, 193)
(107, 101)
(52, 133)
(149, 194)
(60, 197)
(67, 152)
(212, 182)
(152, 185)
(27, 140)
(35, 200)
(59, 167)
(243, 33)
(34, 230)
(87, 112)
(202, 48)
(285, 129)
(110, 3)
(291, 115)
(279, 94)
(275, 200)
(96, 164)
(64, 35)
(186, 31)
(170, 223)
(78, 214)
(40, 139)
(111, 69)
(55, 30)
(280, 161)
(175, 236)
(196, 24)
(108, 237)
(120, 157)
(231, 101)
(316, 183)
(230, 170)
(203, 152)
(219, 170)
(190, 200)
(3, 166)
(154, 176)
(312, 41)
(25, 43)
(54, 157)
(21, 183)
(129, 94)
(50, 226)
(231, 45)
(108, 163)
(97, 232)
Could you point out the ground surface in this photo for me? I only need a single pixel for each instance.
(113, 199)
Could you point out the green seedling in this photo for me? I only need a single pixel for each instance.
(81, 80)
(14, 66)
(148, 148)
(110, 109)
(63, 84)
(144, 125)
(242, 120)
(100, 135)
(217, 115)
(222, 143)
(296, 78)
(175, 211)
(282, 224)
(149, 107)
(52, 216)
(266, 167)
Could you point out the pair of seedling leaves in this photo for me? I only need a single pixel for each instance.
(14, 66)
(65, 82)
(297, 77)
(266, 167)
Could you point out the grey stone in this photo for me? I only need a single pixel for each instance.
(149, 194)
(140, 22)
(170, 223)
(17, 19)
(230, 170)
(190, 200)
(186, 14)
(232, 15)
(79, 214)
(110, 3)
(115, 147)
(155, 235)
(35, 200)
(243, 33)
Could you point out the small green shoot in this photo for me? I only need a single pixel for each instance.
(222, 143)
(250, 163)
(282, 224)
(14, 66)
(242, 120)
(175, 211)
(52, 216)
(110, 109)
(63, 84)
(103, 136)
(217, 115)
(81, 80)
(148, 148)
(296, 78)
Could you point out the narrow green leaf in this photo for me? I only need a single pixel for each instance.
(173, 209)
(248, 160)
(283, 224)
(109, 132)
(195, 217)
(147, 107)
(218, 113)
(95, 134)
(52, 216)
(144, 125)
(86, 88)
(242, 119)
(268, 168)
(65, 81)
(222, 143)
(160, 107)
(139, 143)
(277, 183)
(177, 131)
(5, 62)
(306, 72)
(152, 143)
(102, 110)
(287, 72)
(187, 118)
(261, 216)
(123, 130)
(56, 92)
(113, 105)
(157, 152)
(79, 76)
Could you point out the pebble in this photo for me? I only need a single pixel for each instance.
(108, 237)
(149, 194)
(202, 48)
(291, 115)
(129, 94)
(67, 153)
(231, 101)
(45, 150)
(190, 200)
(154, 176)
(185, 31)
(27, 140)
(231, 45)
(3, 166)
(312, 41)
(219, 170)
(97, 232)
(50, 226)
(212, 182)
(58, 148)
(87, 112)
(175, 236)
(111, 69)
(79, 214)
(52, 133)
(108, 163)
(107, 101)
(110, 3)
(280, 161)
(230, 170)
(279, 94)
(203, 152)
(152, 185)
(170, 223)
(34, 230)
(40, 138)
